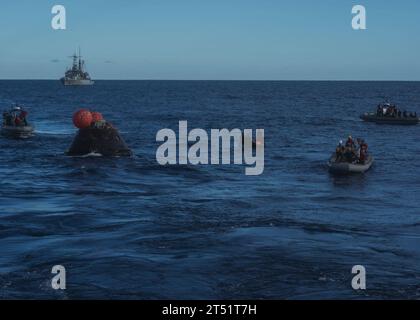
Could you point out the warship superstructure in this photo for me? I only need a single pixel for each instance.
(76, 75)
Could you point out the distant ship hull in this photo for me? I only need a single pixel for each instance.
(78, 82)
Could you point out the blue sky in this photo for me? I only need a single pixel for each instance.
(213, 39)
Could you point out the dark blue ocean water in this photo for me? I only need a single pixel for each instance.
(129, 228)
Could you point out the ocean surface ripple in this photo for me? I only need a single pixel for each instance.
(127, 228)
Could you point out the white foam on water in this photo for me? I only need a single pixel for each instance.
(52, 128)
(92, 154)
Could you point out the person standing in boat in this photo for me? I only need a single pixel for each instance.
(362, 157)
(363, 152)
(350, 153)
(18, 122)
(22, 116)
(350, 142)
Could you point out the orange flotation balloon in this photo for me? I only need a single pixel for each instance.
(82, 119)
(97, 116)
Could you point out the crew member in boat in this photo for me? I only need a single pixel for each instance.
(388, 110)
(22, 117)
(363, 151)
(16, 117)
(339, 151)
(350, 152)
(350, 142)
(7, 119)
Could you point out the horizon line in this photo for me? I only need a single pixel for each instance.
(237, 80)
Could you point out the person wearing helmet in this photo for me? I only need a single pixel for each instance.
(339, 151)
(16, 116)
(363, 151)
(350, 150)
(350, 142)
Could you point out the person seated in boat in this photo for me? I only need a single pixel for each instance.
(8, 119)
(395, 111)
(349, 154)
(5, 118)
(339, 151)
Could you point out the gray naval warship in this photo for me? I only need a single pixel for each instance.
(76, 75)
